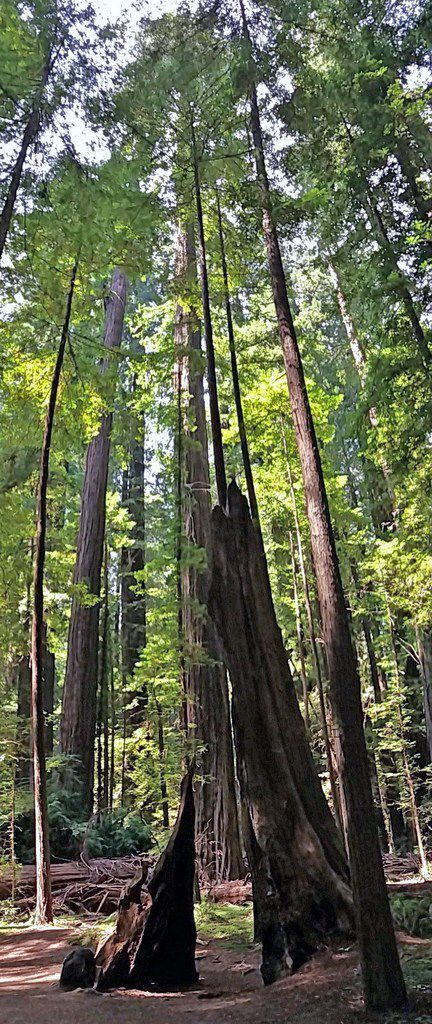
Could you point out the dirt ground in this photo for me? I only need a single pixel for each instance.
(325, 991)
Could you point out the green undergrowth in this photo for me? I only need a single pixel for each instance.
(413, 914)
(229, 923)
(417, 967)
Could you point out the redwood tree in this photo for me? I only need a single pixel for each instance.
(133, 594)
(205, 677)
(382, 976)
(297, 900)
(77, 734)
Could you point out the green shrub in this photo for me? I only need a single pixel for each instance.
(118, 834)
(413, 914)
(115, 833)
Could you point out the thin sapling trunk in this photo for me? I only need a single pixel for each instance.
(43, 913)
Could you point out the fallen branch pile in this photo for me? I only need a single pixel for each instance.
(92, 887)
(95, 886)
(399, 868)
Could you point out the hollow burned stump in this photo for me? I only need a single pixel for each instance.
(153, 945)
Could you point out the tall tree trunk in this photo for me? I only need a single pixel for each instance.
(29, 136)
(43, 913)
(103, 716)
(313, 640)
(221, 483)
(115, 665)
(161, 749)
(294, 852)
(208, 710)
(48, 685)
(264, 709)
(78, 722)
(367, 631)
(133, 595)
(179, 389)
(407, 773)
(424, 646)
(22, 673)
(299, 631)
(287, 920)
(21, 677)
(355, 343)
(235, 377)
(383, 982)
(387, 500)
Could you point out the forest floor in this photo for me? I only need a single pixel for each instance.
(325, 991)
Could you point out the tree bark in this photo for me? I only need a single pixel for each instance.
(165, 957)
(219, 461)
(299, 875)
(313, 640)
(161, 749)
(383, 982)
(386, 501)
(133, 596)
(424, 644)
(235, 377)
(116, 954)
(407, 772)
(22, 673)
(79, 693)
(103, 770)
(208, 711)
(48, 685)
(43, 912)
(299, 631)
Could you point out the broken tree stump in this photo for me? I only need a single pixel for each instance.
(117, 952)
(165, 957)
(299, 874)
(153, 945)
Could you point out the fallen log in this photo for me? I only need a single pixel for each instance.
(96, 886)
(99, 870)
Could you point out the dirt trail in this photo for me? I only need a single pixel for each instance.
(325, 991)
